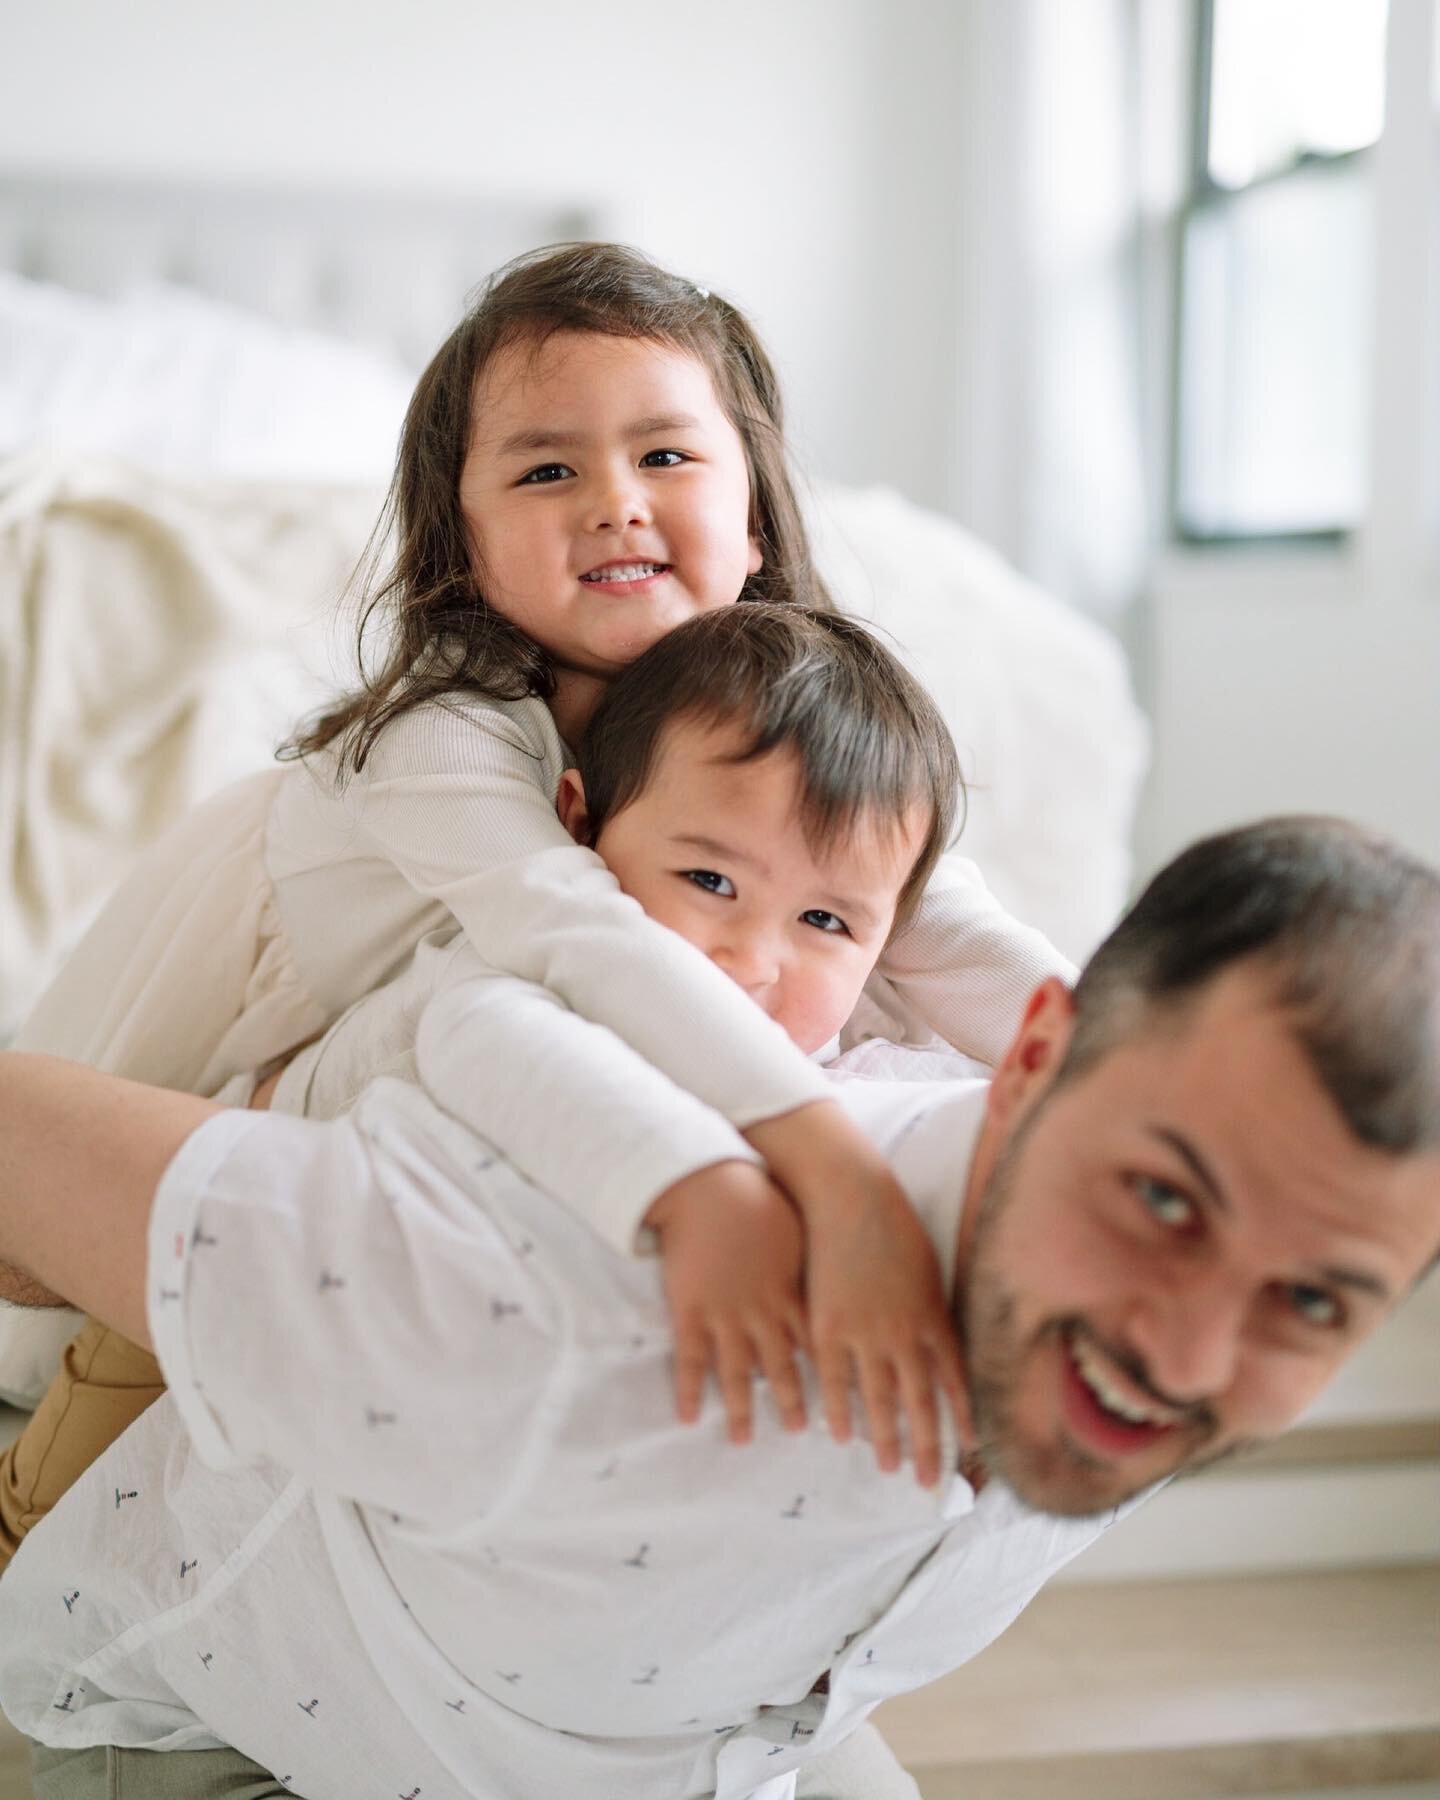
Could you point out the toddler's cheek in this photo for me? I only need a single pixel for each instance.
(816, 1015)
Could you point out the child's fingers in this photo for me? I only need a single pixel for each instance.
(917, 1396)
(777, 1361)
(877, 1390)
(692, 1364)
(950, 1373)
(734, 1368)
(832, 1365)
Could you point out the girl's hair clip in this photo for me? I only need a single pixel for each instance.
(704, 293)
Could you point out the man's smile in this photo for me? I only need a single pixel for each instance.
(1106, 1410)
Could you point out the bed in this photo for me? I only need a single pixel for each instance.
(199, 396)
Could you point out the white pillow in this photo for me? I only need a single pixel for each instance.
(174, 381)
(1037, 696)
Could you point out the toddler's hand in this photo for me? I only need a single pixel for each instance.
(877, 1312)
(732, 1249)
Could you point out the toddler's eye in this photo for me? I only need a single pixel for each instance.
(545, 474)
(1313, 1305)
(1163, 1202)
(673, 459)
(824, 921)
(712, 882)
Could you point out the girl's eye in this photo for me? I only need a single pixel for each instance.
(711, 882)
(1165, 1203)
(545, 474)
(1313, 1305)
(672, 459)
(825, 921)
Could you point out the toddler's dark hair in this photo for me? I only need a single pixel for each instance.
(868, 738)
(440, 636)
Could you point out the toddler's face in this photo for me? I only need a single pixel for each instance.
(607, 498)
(715, 850)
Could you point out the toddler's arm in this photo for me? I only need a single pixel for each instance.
(603, 1131)
(965, 966)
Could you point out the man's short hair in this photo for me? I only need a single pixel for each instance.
(1345, 923)
(869, 741)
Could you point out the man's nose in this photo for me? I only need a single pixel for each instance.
(1189, 1334)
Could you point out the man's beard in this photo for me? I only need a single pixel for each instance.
(1055, 1475)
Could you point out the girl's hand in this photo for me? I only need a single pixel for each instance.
(732, 1246)
(877, 1314)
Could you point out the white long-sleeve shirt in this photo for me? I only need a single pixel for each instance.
(418, 1514)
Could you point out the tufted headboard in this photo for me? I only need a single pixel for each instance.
(387, 269)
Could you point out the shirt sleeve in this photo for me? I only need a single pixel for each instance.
(565, 1102)
(462, 804)
(335, 1298)
(965, 967)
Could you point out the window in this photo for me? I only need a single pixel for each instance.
(1276, 280)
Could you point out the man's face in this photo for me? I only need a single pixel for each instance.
(1176, 1249)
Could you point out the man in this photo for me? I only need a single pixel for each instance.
(1192, 1189)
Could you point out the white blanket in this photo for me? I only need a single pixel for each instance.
(156, 640)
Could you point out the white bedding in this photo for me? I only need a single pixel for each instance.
(177, 382)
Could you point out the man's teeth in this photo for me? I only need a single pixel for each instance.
(624, 572)
(1101, 1385)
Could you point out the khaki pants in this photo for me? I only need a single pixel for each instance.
(105, 1383)
(861, 1769)
(110, 1774)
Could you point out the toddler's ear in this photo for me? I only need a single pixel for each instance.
(570, 804)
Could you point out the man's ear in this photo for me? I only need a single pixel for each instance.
(570, 804)
(1035, 1054)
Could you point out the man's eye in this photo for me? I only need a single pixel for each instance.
(1315, 1306)
(545, 474)
(672, 459)
(1163, 1202)
(711, 882)
(824, 921)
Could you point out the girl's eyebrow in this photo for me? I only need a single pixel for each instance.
(549, 437)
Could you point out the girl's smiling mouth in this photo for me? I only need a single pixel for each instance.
(629, 575)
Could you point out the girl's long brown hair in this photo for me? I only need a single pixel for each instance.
(437, 636)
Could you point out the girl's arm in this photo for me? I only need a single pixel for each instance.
(965, 966)
(462, 805)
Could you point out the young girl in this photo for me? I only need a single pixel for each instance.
(593, 457)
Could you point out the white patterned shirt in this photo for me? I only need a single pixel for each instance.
(417, 1519)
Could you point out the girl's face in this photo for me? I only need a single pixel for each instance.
(607, 498)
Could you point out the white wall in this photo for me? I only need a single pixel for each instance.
(733, 142)
(1311, 682)
(848, 170)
